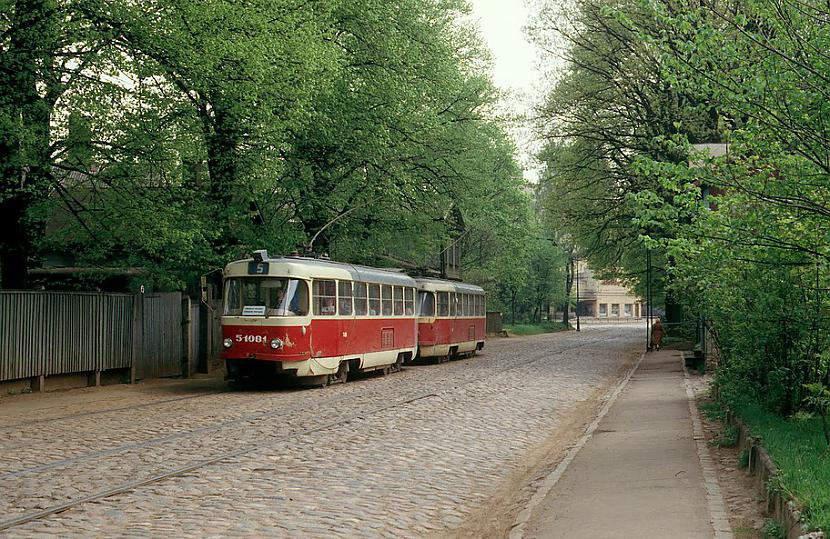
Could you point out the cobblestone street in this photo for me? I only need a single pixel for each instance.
(412, 454)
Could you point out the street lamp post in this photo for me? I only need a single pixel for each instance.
(577, 294)
(648, 300)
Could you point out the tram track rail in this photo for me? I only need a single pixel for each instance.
(330, 401)
(450, 386)
(66, 417)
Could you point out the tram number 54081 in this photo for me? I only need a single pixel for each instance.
(251, 338)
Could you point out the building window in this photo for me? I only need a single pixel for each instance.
(603, 309)
(629, 309)
(615, 309)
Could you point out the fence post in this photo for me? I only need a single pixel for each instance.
(187, 338)
(204, 337)
(138, 339)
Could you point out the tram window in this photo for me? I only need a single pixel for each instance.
(453, 304)
(325, 296)
(443, 303)
(345, 297)
(386, 300)
(374, 299)
(398, 296)
(274, 296)
(360, 299)
(426, 304)
(409, 301)
(481, 311)
(468, 310)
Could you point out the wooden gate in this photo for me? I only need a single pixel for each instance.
(162, 353)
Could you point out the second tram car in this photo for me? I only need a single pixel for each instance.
(315, 319)
(451, 319)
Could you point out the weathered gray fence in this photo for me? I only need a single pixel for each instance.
(50, 333)
(46, 333)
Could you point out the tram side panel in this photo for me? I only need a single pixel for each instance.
(375, 341)
(437, 337)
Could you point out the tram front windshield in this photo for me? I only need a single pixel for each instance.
(265, 296)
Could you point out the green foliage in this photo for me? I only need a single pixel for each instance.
(798, 449)
(741, 237)
(743, 458)
(536, 329)
(818, 398)
(728, 438)
(185, 134)
(713, 410)
(614, 107)
(773, 530)
(525, 279)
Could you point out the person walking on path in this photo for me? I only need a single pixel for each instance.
(657, 334)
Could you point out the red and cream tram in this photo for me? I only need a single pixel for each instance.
(315, 319)
(451, 319)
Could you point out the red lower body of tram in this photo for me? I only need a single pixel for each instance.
(445, 338)
(320, 347)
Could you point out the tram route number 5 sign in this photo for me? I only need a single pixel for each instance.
(257, 268)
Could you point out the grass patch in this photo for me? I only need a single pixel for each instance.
(773, 530)
(712, 410)
(535, 329)
(797, 446)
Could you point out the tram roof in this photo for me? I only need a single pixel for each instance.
(305, 267)
(442, 285)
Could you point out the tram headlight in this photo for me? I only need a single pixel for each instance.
(276, 344)
(227, 343)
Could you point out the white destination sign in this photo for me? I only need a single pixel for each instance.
(253, 310)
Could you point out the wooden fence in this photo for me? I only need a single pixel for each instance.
(45, 334)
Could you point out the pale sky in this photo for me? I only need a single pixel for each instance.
(515, 64)
(501, 24)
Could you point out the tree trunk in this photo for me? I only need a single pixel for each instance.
(25, 114)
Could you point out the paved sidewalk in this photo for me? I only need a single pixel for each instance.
(643, 471)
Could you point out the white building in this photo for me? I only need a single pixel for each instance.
(606, 299)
